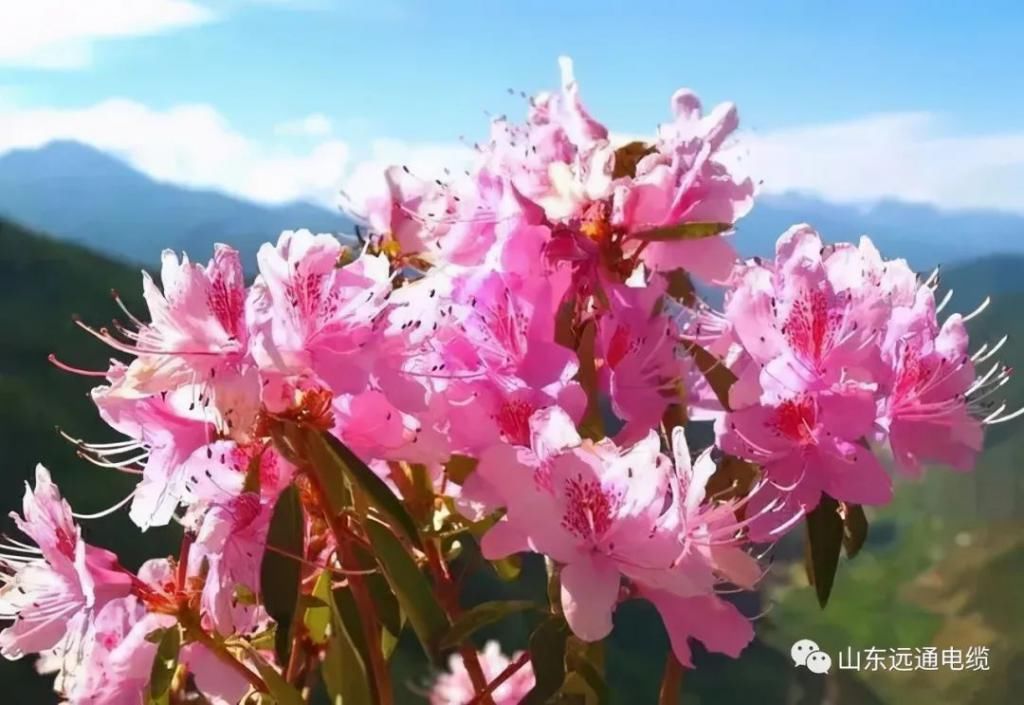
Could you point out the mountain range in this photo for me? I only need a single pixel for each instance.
(77, 193)
(85, 196)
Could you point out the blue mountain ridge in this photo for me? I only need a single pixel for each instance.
(78, 193)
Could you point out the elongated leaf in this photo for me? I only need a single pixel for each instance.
(585, 661)
(547, 654)
(509, 568)
(345, 669)
(280, 690)
(281, 575)
(719, 376)
(481, 616)
(415, 593)
(333, 459)
(824, 542)
(165, 664)
(855, 528)
(683, 231)
(318, 617)
(385, 603)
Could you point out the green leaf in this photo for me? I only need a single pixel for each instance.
(855, 528)
(509, 568)
(481, 616)
(547, 654)
(318, 617)
(333, 460)
(414, 592)
(385, 603)
(683, 231)
(824, 541)
(583, 660)
(280, 689)
(281, 575)
(345, 668)
(165, 664)
(720, 378)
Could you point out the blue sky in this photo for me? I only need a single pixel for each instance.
(946, 76)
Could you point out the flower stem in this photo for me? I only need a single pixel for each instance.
(448, 593)
(344, 537)
(510, 670)
(214, 646)
(671, 681)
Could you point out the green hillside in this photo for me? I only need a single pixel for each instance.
(42, 282)
(948, 557)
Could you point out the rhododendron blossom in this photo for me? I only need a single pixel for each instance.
(510, 360)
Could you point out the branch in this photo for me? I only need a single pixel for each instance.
(510, 670)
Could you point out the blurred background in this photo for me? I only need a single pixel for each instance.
(128, 126)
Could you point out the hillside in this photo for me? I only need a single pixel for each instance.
(945, 566)
(42, 282)
(78, 193)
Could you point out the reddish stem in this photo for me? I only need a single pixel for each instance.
(510, 670)
(344, 536)
(448, 592)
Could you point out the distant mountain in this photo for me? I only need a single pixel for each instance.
(78, 193)
(924, 235)
(81, 194)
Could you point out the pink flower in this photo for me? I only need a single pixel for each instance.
(642, 371)
(927, 411)
(790, 318)
(585, 507)
(164, 431)
(234, 489)
(314, 318)
(197, 329)
(809, 444)
(52, 592)
(682, 181)
(607, 514)
(709, 619)
(456, 688)
(118, 658)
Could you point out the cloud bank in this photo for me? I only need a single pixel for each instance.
(61, 34)
(906, 156)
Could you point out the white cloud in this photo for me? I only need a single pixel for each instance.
(313, 125)
(191, 145)
(62, 33)
(906, 156)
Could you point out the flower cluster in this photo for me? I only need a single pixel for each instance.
(514, 354)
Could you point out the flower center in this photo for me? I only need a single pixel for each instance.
(513, 420)
(795, 419)
(588, 514)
